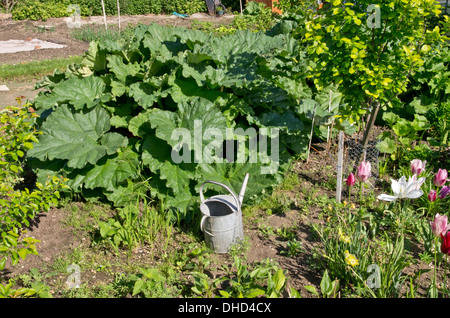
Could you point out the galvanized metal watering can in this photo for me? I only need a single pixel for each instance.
(221, 222)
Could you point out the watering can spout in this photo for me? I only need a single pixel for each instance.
(244, 186)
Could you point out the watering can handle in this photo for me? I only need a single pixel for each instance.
(202, 198)
(202, 225)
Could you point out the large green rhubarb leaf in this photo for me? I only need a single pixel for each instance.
(76, 137)
(196, 116)
(155, 152)
(79, 92)
(121, 70)
(323, 107)
(232, 175)
(109, 172)
(178, 176)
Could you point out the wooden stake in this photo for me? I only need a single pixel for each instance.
(104, 15)
(329, 130)
(339, 167)
(311, 135)
(118, 13)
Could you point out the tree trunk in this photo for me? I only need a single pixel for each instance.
(371, 122)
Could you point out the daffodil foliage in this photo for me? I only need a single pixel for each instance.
(370, 48)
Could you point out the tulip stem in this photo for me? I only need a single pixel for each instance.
(361, 193)
(445, 276)
(435, 264)
(349, 194)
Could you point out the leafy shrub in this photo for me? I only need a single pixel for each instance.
(294, 5)
(420, 127)
(43, 9)
(429, 94)
(359, 47)
(184, 6)
(256, 17)
(127, 7)
(30, 9)
(18, 207)
(144, 7)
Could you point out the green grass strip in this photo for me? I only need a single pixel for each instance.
(35, 69)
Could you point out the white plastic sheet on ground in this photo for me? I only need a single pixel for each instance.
(13, 46)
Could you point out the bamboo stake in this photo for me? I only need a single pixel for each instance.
(104, 15)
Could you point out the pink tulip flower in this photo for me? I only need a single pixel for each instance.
(350, 180)
(444, 192)
(439, 226)
(440, 177)
(432, 195)
(417, 166)
(363, 172)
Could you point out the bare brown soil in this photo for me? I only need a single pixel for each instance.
(56, 239)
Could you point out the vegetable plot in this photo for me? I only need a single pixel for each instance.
(130, 119)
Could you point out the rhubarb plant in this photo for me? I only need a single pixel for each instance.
(141, 117)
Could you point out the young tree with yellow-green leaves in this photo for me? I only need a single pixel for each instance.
(371, 48)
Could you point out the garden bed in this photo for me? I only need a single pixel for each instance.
(300, 202)
(124, 101)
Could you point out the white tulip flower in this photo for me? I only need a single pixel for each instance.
(404, 189)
